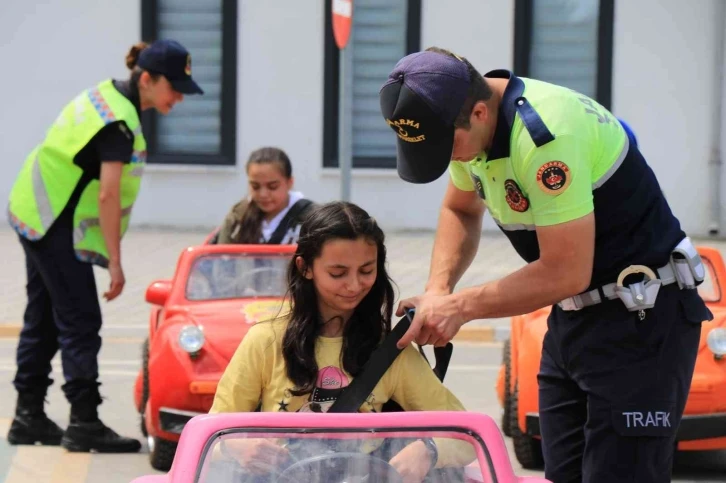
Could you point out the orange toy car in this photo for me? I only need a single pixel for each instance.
(703, 426)
(197, 321)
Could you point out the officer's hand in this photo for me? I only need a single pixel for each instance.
(117, 281)
(436, 321)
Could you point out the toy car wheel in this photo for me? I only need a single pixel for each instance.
(507, 406)
(144, 385)
(527, 449)
(161, 453)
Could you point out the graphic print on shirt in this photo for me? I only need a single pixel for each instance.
(292, 235)
(329, 385)
(331, 382)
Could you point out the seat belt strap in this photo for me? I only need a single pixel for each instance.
(355, 394)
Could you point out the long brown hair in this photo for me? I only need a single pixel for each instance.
(248, 228)
(371, 320)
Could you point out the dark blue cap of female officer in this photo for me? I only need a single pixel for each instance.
(170, 59)
(420, 101)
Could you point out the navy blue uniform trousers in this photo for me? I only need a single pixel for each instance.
(612, 388)
(63, 312)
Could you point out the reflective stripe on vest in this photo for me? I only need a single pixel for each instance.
(49, 175)
(22, 228)
(79, 232)
(108, 117)
(94, 94)
(42, 202)
(41, 197)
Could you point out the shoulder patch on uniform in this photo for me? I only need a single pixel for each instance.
(515, 198)
(122, 127)
(554, 177)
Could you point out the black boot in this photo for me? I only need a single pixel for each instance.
(86, 433)
(31, 425)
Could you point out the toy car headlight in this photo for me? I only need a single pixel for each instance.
(716, 341)
(191, 338)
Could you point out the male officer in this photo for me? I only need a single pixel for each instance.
(578, 202)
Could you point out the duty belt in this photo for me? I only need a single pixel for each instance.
(685, 268)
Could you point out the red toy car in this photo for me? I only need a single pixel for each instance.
(197, 321)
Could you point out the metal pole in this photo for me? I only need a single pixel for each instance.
(345, 123)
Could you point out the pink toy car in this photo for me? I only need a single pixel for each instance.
(338, 447)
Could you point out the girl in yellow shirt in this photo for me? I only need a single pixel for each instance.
(341, 303)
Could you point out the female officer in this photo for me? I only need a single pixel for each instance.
(70, 206)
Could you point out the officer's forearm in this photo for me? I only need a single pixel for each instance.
(109, 208)
(109, 211)
(532, 287)
(455, 245)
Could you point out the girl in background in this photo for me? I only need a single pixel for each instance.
(272, 212)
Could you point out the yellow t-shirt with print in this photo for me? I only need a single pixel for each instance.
(256, 374)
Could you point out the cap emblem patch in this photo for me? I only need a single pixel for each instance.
(402, 127)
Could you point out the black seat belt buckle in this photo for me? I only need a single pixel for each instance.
(442, 355)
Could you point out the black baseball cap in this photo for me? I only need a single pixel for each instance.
(170, 59)
(420, 102)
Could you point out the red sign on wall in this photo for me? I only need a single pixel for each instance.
(342, 21)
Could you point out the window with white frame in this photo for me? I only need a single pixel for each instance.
(202, 129)
(566, 42)
(383, 31)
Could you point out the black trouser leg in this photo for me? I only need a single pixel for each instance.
(71, 287)
(636, 376)
(563, 414)
(38, 342)
(37, 346)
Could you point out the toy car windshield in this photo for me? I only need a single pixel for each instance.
(237, 275)
(310, 447)
(317, 455)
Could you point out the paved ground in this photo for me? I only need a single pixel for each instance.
(151, 254)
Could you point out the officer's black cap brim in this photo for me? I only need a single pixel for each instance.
(186, 86)
(426, 160)
(425, 164)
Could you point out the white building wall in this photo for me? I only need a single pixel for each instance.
(662, 83)
(663, 78)
(281, 93)
(49, 52)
